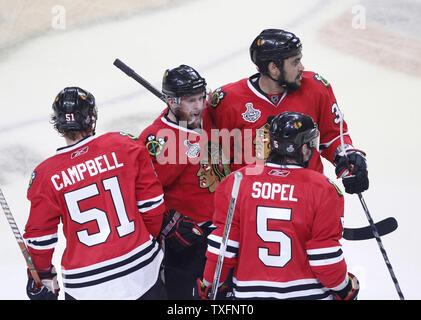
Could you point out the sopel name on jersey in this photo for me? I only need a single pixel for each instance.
(266, 190)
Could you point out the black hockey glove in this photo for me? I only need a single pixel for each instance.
(50, 288)
(202, 291)
(350, 292)
(179, 231)
(352, 169)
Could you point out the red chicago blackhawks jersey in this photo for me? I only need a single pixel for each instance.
(241, 106)
(106, 193)
(188, 164)
(284, 237)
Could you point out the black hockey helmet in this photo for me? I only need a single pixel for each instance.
(74, 110)
(182, 81)
(273, 45)
(289, 131)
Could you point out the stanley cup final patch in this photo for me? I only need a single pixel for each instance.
(251, 114)
(193, 149)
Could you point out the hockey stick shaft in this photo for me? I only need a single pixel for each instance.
(131, 73)
(19, 239)
(234, 195)
(381, 247)
(371, 222)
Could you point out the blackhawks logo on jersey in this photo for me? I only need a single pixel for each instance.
(336, 187)
(130, 136)
(212, 167)
(319, 78)
(261, 142)
(154, 145)
(217, 97)
(31, 181)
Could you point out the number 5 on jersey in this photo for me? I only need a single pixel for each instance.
(264, 214)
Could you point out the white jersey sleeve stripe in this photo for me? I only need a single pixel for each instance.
(150, 204)
(42, 243)
(325, 256)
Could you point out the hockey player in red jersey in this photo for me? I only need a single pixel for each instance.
(105, 192)
(186, 159)
(283, 85)
(285, 232)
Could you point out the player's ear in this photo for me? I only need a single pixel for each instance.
(273, 69)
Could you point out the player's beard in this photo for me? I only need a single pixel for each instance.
(192, 119)
(291, 86)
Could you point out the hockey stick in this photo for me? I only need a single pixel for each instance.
(371, 222)
(19, 239)
(238, 176)
(131, 73)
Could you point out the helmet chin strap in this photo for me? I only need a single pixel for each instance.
(176, 101)
(306, 163)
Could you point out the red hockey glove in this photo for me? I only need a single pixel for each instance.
(352, 169)
(350, 292)
(180, 232)
(50, 288)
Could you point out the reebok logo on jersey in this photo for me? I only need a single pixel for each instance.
(79, 152)
(279, 172)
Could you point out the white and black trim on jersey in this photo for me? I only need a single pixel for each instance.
(325, 256)
(214, 244)
(253, 85)
(124, 277)
(303, 289)
(43, 243)
(150, 204)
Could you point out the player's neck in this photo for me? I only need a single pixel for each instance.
(78, 137)
(268, 86)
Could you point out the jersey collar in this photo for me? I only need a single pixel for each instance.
(282, 166)
(75, 145)
(176, 126)
(253, 84)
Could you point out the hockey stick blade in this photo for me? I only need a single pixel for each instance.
(384, 227)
